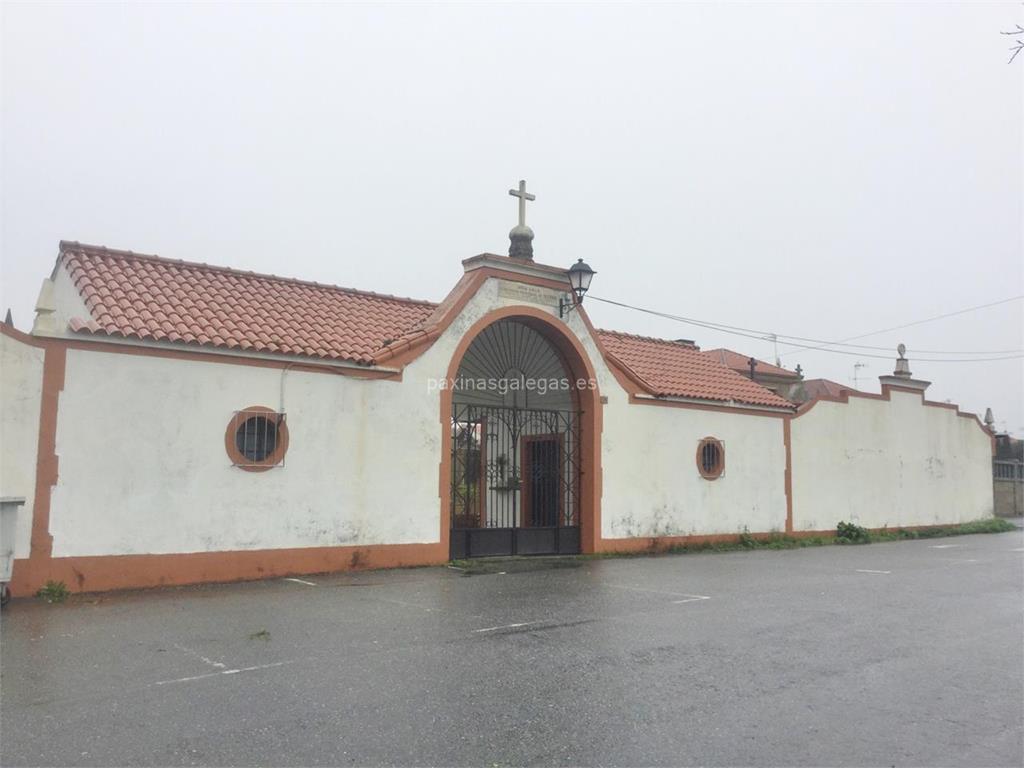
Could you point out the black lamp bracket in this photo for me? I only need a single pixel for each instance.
(565, 307)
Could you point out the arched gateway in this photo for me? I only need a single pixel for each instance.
(521, 401)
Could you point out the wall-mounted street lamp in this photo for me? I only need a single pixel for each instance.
(580, 275)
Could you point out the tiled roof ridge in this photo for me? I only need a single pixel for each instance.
(70, 247)
(655, 339)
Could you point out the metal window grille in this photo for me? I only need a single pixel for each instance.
(711, 457)
(258, 438)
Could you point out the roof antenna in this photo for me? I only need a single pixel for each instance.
(856, 370)
(775, 342)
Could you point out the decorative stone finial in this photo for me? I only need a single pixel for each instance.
(902, 377)
(521, 236)
(990, 420)
(902, 364)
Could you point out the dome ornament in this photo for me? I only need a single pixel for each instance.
(521, 236)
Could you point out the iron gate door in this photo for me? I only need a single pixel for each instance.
(515, 481)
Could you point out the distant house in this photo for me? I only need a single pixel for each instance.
(815, 388)
(782, 381)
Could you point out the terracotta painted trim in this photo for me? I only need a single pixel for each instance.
(238, 460)
(787, 441)
(129, 348)
(659, 403)
(713, 474)
(24, 338)
(407, 349)
(403, 351)
(887, 390)
(656, 544)
(890, 529)
(34, 571)
(104, 573)
(225, 359)
(110, 572)
(628, 379)
(577, 361)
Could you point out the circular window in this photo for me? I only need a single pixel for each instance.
(256, 438)
(710, 458)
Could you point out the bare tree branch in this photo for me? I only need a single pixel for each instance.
(1019, 34)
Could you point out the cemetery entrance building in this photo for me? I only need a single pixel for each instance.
(515, 447)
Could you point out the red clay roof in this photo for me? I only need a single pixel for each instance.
(741, 363)
(816, 388)
(151, 298)
(155, 299)
(672, 369)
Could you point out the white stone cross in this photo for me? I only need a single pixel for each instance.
(523, 196)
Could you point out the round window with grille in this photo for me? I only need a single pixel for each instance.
(256, 438)
(710, 458)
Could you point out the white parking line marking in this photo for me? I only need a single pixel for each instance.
(1018, 549)
(225, 672)
(402, 603)
(300, 581)
(199, 656)
(507, 626)
(867, 570)
(652, 591)
(943, 546)
(691, 599)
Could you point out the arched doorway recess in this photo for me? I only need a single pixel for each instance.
(521, 431)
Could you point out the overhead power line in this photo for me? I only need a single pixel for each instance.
(842, 343)
(929, 320)
(820, 345)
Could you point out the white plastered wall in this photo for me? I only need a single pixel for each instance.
(888, 463)
(143, 469)
(58, 303)
(652, 486)
(21, 382)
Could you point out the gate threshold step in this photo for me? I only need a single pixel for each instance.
(504, 564)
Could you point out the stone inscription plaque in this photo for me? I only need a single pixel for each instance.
(528, 294)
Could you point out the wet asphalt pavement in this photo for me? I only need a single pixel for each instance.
(905, 653)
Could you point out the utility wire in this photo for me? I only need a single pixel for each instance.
(760, 335)
(926, 320)
(842, 343)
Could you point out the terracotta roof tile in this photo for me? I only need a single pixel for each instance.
(151, 298)
(147, 297)
(674, 369)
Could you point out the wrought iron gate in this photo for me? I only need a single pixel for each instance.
(515, 481)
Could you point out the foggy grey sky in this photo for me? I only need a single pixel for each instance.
(821, 171)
